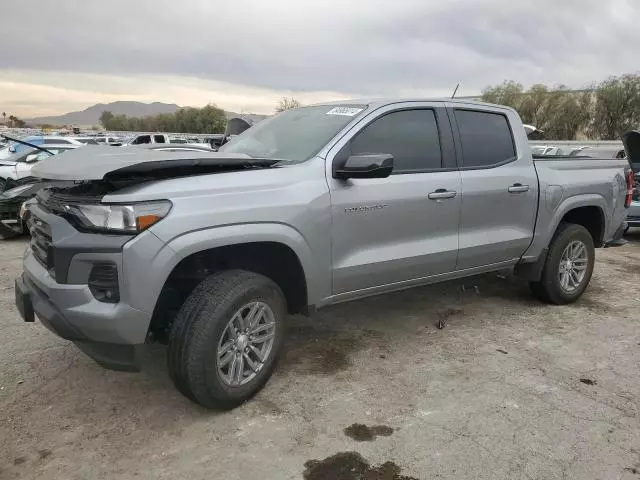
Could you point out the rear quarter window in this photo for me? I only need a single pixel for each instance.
(486, 138)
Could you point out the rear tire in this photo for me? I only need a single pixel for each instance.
(213, 358)
(568, 267)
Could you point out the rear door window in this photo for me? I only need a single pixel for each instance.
(158, 138)
(486, 138)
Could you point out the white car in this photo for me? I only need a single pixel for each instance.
(147, 138)
(19, 165)
(108, 140)
(40, 140)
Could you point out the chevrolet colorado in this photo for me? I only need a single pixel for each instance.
(208, 252)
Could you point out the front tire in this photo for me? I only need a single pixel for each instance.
(225, 341)
(568, 267)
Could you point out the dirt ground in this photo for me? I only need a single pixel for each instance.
(510, 389)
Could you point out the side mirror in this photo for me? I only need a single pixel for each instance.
(375, 165)
(31, 158)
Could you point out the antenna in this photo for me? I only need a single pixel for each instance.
(456, 90)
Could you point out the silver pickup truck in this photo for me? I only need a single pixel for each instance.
(208, 252)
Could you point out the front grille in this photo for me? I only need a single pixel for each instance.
(9, 209)
(41, 242)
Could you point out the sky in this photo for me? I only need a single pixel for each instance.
(65, 55)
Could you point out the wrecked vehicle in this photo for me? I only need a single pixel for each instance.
(13, 221)
(11, 201)
(631, 142)
(208, 252)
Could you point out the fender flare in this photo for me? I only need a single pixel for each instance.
(572, 203)
(186, 244)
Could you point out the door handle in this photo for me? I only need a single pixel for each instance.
(518, 188)
(441, 193)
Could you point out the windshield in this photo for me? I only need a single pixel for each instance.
(295, 135)
(19, 147)
(22, 155)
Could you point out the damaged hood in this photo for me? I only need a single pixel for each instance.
(115, 163)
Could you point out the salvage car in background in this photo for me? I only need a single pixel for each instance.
(600, 152)
(19, 165)
(39, 140)
(13, 221)
(178, 147)
(631, 142)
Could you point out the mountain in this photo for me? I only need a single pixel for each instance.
(91, 115)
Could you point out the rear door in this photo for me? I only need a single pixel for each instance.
(387, 231)
(499, 187)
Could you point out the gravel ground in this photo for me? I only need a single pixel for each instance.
(510, 389)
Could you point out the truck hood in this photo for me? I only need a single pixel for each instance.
(117, 163)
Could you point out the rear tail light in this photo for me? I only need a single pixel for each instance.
(103, 283)
(630, 178)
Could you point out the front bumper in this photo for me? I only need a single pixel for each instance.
(10, 222)
(101, 330)
(110, 333)
(31, 301)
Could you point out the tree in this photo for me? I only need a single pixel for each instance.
(105, 118)
(509, 93)
(617, 107)
(561, 113)
(287, 103)
(15, 122)
(533, 107)
(208, 119)
(4, 117)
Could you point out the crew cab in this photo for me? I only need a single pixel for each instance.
(208, 252)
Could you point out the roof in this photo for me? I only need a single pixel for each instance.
(382, 102)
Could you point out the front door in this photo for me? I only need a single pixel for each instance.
(404, 227)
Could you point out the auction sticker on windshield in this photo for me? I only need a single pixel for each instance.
(346, 111)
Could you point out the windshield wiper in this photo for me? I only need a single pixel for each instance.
(42, 149)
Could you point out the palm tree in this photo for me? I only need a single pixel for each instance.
(4, 117)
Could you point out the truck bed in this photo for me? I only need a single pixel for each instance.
(578, 181)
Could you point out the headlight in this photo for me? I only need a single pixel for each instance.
(115, 218)
(23, 209)
(14, 192)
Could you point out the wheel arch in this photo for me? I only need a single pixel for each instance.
(585, 210)
(278, 252)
